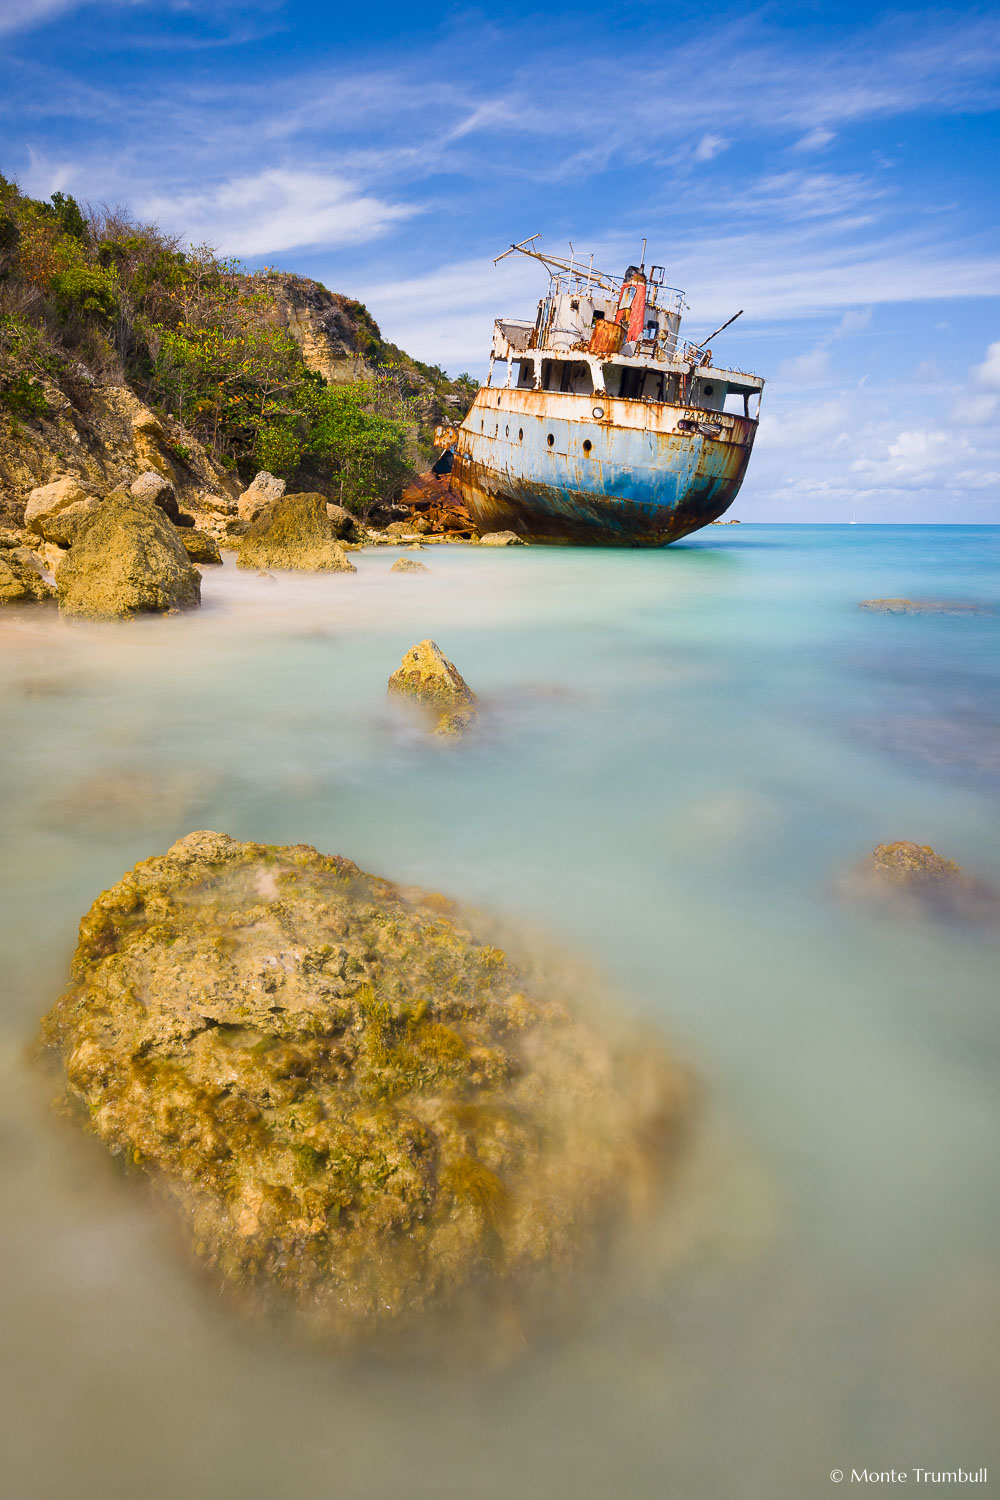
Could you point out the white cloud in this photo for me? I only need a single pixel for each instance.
(24, 15)
(988, 373)
(815, 140)
(710, 146)
(808, 368)
(278, 210)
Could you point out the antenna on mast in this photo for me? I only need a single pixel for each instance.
(642, 257)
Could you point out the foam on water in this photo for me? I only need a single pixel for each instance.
(680, 752)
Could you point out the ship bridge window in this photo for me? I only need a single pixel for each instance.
(525, 374)
(571, 376)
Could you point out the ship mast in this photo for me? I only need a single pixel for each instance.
(557, 267)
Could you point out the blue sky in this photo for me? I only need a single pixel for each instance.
(831, 169)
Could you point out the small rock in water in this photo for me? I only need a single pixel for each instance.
(908, 875)
(199, 546)
(428, 678)
(408, 565)
(361, 1111)
(502, 539)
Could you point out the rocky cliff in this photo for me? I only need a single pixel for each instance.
(104, 436)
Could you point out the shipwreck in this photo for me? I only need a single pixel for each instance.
(598, 424)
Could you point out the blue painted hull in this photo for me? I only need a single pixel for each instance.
(540, 464)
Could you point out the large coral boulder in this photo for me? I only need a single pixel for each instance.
(430, 680)
(21, 580)
(294, 532)
(128, 560)
(358, 1105)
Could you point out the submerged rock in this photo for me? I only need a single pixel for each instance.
(128, 560)
(199, 546)
(428, 678)
(502, 539)
(913, 876)
(294, 532)
(921, 607)
(21, 580)
(408, 565)
(358, 1107)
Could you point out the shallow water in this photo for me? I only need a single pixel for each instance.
(681, 751)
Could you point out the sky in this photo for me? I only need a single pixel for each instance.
(831, 169)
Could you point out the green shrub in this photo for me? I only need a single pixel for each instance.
(71, 220)
(86, 289)
(23, 397)
(277, 449)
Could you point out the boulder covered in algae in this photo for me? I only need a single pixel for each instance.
(294, 532)
(127, 560)
(435, 684)
(914, 877)
(363, 1111)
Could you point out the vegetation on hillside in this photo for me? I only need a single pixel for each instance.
(98, 297)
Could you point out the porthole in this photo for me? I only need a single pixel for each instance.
(482, 427)
(550, 440)
(506, 432)
(520, 434)
(587, 446)
(598, 411)
(496, 429)
(710, 390)
(498, 401)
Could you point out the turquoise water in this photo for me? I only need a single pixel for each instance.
(681, 752)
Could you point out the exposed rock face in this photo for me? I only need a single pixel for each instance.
(907, 875)
(408, 565)
(428, 678)
(128, 560)
(261, 491)
(199, 546)
(21, 581)
(502, 539)
(152, 486)
(103, 438)
(294, 532)
(357, 1106)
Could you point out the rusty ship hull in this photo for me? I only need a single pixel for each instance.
(542, 465)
